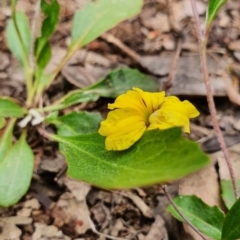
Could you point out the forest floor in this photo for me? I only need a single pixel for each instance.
(160, 42)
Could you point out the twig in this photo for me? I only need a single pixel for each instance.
(110, 38)
(44, 133)
(146, 210)
(164, 187)
(178, 36)
(203, 58)
(172, 71)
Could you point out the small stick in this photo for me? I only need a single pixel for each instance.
(178, 36)
(202, 39)
(164, 187)
(110, 38)
(172, 71)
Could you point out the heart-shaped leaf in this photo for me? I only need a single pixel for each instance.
(8, 108)
(159, 156)
(231, 226)
(98, 17)
(208, 220)
(16, 172)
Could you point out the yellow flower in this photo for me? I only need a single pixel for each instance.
(137, 111)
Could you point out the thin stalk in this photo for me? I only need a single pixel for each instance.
(202, 39)
(52, 108)
(164, 187)
(27, 67)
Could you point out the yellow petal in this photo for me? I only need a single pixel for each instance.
(190, 109)
(164, 119)
(151, 100)
(184, 107)
(173, 113)
(122, 128)
(130, 99)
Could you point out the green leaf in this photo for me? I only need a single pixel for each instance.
(115, 83)
(228, 193)
(159, 156)
(208, 220)
(13, 39)
(96, 18)
(120, 80)
(16, 172)
(43, 49)
(77, 123)
(213, 8)
(8, 108)
(80, 97)
(6, 139)
(73, 98)
(231, 226)
(51, 14)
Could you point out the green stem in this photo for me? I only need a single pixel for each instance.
(27, 69)
(52, 108)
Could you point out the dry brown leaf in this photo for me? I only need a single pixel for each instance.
(232, 92)
(79, 189)
(70, 212)
(234, 45)
(8, 227)
(158, 22)
(187, 81)
(158, 230)
(95, 67)
(43, 231)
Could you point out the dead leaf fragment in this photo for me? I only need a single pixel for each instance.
(69, 211)
(8, 227)
(158, 230)
(9, 230)
(32, 203)
(158, 22)
(234, 45)
(42, 232)
(79, 189)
